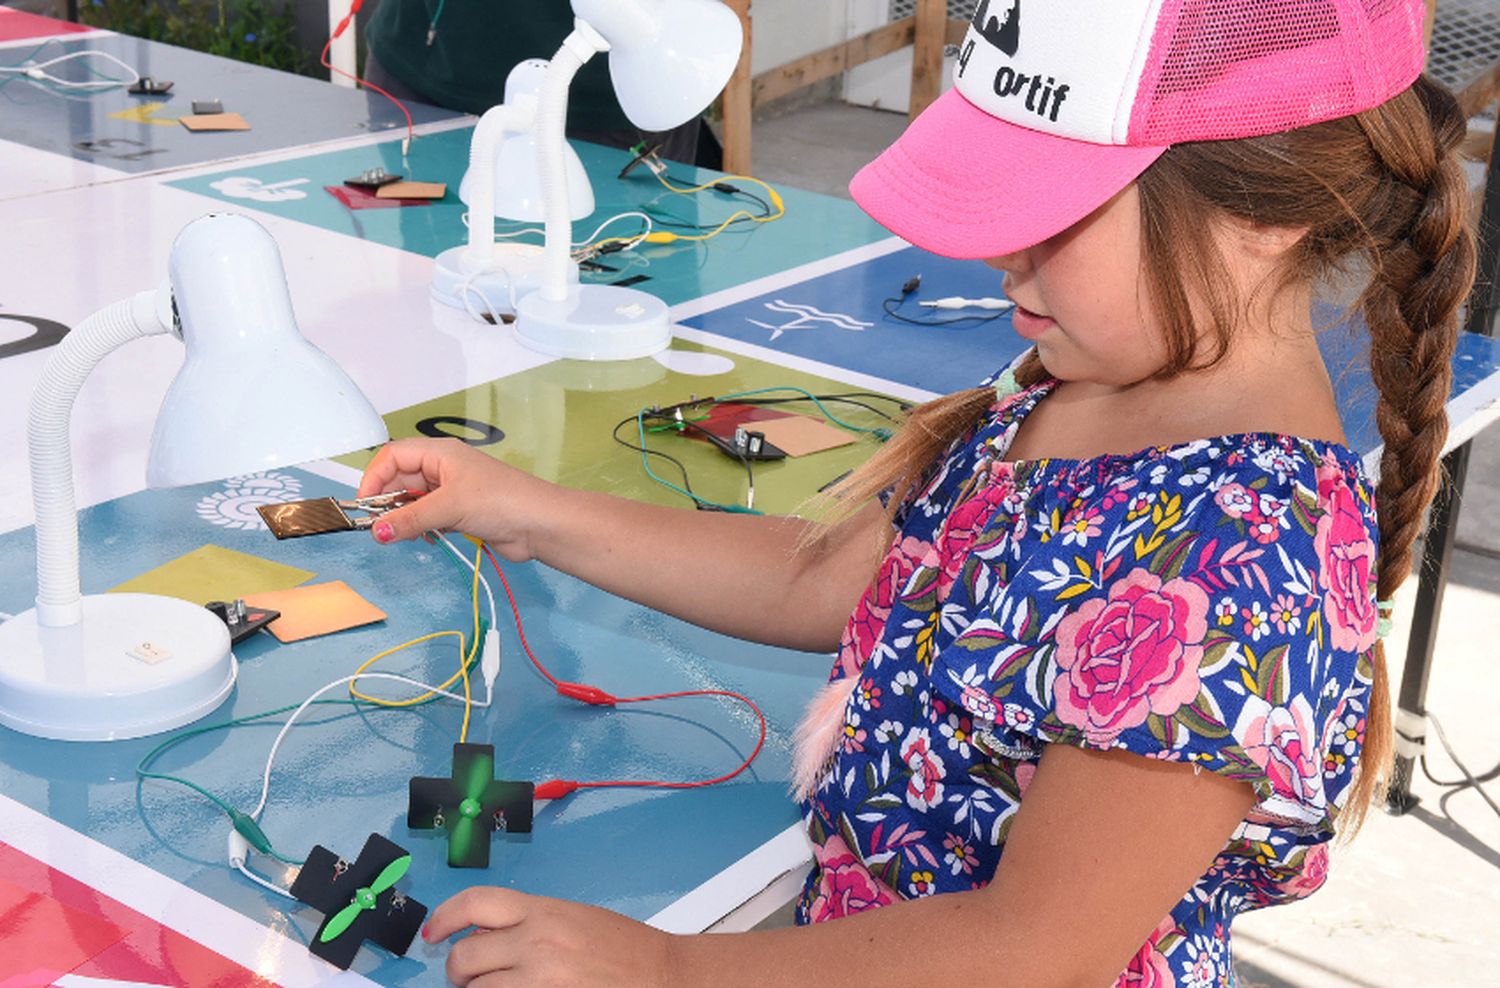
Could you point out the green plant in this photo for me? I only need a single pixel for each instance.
(256, 31)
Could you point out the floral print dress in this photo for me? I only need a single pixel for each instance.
(1211, 603)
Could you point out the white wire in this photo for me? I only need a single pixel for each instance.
(466, 287)
(586, 240)
(263, 883)
(265, 781)
(38, 71)
(469, 564)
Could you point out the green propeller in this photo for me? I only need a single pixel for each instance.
(365, 898)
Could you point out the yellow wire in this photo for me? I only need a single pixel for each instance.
(668, 237)
(464, 658)
(378, 701)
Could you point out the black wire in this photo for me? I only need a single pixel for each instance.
(652, 452)
(1493, 773)
(891, 304)
(700, 501)
(841, 399)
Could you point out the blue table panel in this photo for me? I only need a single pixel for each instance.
(815, 226)
(839, 319)
(344, 773)
(283, 110)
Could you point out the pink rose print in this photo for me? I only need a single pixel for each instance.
(964, 525)
(1149, 967)
(845, 885)
(1346, 564)
(867, 623)
(1235, 500)
(1131, 655)
(1283, 742)
(1313, 874)
(925, 787)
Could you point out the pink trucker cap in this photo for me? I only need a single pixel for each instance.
(1057, 105)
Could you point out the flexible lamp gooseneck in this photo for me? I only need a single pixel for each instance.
(252, 394)
(668, 59)
(502, 181)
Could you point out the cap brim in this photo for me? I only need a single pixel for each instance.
(964, 184)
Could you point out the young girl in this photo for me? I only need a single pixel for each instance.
(1113, 656)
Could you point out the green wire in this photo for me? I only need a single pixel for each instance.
(734, 509)
(880, 432)
(142, 768)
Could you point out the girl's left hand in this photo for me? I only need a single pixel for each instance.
(525, 940)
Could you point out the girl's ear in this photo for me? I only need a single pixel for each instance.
(1267, 243)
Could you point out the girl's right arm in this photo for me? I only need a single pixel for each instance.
(741, 575)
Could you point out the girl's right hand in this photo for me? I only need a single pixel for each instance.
(465, 491)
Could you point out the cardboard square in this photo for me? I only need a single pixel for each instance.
(356, 198)
(39, 934)
(412, 190)
(214, 121)
(317, 609)
(212, 572)
(798, 435)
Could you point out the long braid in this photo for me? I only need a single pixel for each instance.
(1423, 266)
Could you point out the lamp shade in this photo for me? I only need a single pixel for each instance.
(668, 59)
(253, 393)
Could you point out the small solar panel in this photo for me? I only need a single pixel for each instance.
(298, 518)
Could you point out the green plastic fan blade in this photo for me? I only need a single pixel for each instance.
(475, 773)
(391, 875)
(341, 920)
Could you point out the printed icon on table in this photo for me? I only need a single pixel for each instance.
(1003, 34)
(245, 187)
(234, 504)
(807, 317)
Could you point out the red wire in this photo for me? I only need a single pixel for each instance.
(343, 25)
(592, 695)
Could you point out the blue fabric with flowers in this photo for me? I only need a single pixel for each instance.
(1210, 603)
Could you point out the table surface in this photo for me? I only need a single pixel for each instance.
(793, 303)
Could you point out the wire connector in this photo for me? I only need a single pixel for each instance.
(910, 285)
(489, 662)
(555, 789)
(583, 693)
(239, 849)
(250, 830)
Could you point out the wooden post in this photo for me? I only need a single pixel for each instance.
(736, 103)
(927, 54)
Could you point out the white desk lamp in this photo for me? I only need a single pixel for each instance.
(252, 394)
(668, 59)
(502, 180)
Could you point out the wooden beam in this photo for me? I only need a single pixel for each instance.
(830, 61)
(957, 28)
(736, 103)
(927, 54)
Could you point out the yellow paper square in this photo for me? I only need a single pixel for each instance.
(215, 573)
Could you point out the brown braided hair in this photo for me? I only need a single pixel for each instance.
(1383, 187)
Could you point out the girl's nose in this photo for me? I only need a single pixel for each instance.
(1018, 261)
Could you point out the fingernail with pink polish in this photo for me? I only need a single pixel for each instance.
(384, 532)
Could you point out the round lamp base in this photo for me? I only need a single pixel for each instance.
(595, 322)
(137, 664)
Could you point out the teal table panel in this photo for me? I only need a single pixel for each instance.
(815, 226)
(343, 774)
